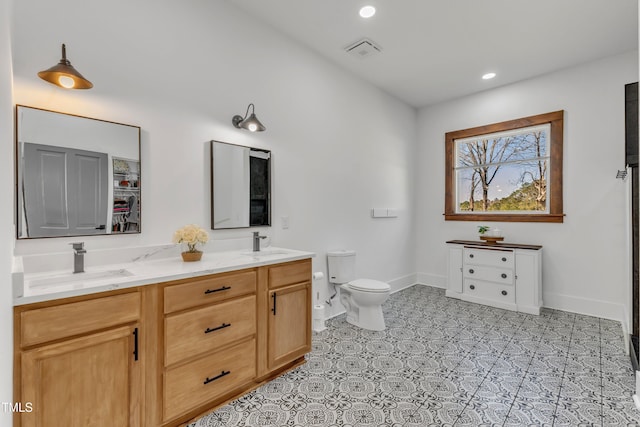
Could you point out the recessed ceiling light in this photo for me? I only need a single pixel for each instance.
(367, 11)
(488, 76)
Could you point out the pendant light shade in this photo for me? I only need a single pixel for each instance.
(248, 122)
(64, 75)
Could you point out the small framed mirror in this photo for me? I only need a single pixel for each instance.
(75, 176)
(240, 186)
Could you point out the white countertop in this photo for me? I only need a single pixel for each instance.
(50, 285)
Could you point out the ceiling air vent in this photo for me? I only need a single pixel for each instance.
(363, 48)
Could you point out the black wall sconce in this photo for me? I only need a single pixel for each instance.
(248, 122)
(64, 75)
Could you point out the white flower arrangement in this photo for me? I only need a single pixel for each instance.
(191, 235)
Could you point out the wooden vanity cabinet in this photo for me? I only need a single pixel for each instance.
(78, 362)
(289, 314)
(222, 337)
(209, 342)
(162, 354)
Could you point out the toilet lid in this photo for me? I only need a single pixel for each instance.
(369, 285)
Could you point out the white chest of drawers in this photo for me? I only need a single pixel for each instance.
(506, 276)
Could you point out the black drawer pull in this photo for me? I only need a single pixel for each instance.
(472, 287)
(470, 255)
(471, 270)
(135, 344)
(504, 259)
(217, 328)
(274, 303)
(210, 291)
(503, 275)
(504, 292)
(217, 377)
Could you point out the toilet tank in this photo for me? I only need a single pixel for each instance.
(342, 266)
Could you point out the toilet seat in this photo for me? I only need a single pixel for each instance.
(369, 285)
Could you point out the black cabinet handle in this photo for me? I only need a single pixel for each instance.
(503, 275)
(217, 328)
(472, 287)
(210, 291)
(470, 255)
(135, 344)
(471, 270)
(504, 259)
(504, 292)
(217, 377)
(274, 303)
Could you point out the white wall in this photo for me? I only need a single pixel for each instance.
(585, 259)
(6, 212)
(181, 70)
(44, 127)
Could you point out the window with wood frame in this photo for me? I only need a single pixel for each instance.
(509, 171)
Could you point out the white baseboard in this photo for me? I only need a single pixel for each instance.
(403, 282)
(636, 400)
(587, 306)
(434, 280)
(336, 314)
(626, 328)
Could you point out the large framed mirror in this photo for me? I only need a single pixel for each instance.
(75, 176)
(240, 186)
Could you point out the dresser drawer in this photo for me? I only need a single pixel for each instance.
(65, 320)
(502, 258)
(208, 289)
(207, 329)
(490, 291)
(208, 378)
(289, 274)
(491, 274)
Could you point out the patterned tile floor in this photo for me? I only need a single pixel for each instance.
(444, 362)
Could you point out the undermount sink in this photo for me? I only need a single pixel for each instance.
(266, 252)
(73, 278)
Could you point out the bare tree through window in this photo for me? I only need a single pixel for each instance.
(511, 170)
(518, 160)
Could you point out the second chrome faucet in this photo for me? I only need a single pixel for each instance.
(256, 241)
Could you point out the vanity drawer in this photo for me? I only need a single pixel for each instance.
(207, 329)
(489, 290)
(208, 289)
(208, 378)
(290, 273)
(66, 320)
(491, 274)
(502, 258)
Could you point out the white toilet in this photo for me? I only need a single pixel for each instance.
(362, 298)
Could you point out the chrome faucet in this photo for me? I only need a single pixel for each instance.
(256, 241)
(78, 257)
